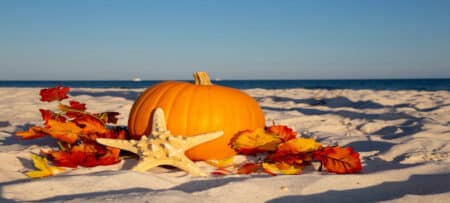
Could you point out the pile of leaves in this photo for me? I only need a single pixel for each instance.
(76, 131)
(278, 150)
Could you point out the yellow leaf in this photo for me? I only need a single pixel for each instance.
(298, 145)
(254, 141)
(222, 163)
(44, 169)
(281, 168)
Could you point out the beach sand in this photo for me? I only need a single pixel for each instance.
(402, 136)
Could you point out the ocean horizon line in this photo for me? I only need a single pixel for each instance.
(373, 84)
(264, 79)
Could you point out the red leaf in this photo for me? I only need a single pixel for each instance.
(74, 114)
(282, 131)
(47, 115)
(85, 155)
(339, 160)
(52, 94)
(248, 168)
(77, 105)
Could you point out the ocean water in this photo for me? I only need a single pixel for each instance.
(383, 84)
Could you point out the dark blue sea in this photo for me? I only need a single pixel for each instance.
(382, 84)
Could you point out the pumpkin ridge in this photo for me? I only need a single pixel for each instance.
(154, 101)
(139, 102)
(191, 99)
(249, 112)
(172, 106)
(167, 100)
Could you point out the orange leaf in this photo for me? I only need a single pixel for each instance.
(90, 124)
(47, 115)
(298, 145)
(283, 168)
(52, 94)
(284, 132)
(295, 151)
(248, 168)
(33, 132)
(63, 131)
(254, 141)
(339, 160)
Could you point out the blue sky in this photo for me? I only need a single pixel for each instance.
(102, 40)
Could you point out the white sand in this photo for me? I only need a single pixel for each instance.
(402, 136)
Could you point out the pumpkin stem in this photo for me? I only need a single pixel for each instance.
(202, 78)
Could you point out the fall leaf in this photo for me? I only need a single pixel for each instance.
(281, 168)
(90, 124)
(254, 141)
(341, 160)
(33, 132)
(108, 117)
(248, 168)
(284, 132)
(222, 163)
(298, 145)
(47, 115)
(221, 172)
(63, 131)
(77, 105)
(73, 159)
(52, 94)
(68, 159)
(87, 155)
(74, 106)
(296, 151)
(44, 169)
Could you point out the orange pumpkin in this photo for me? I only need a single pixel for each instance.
(192, 109)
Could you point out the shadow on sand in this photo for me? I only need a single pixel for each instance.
(415, 185)
(189, 187)
(8, 141)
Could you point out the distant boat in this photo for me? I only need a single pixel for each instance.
(218, 79)
(136, 79)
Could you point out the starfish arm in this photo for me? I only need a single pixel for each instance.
(187, 165)
(201, 138)
(158, 122)
(121, 144)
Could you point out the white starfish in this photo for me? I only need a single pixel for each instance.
(162, 148)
